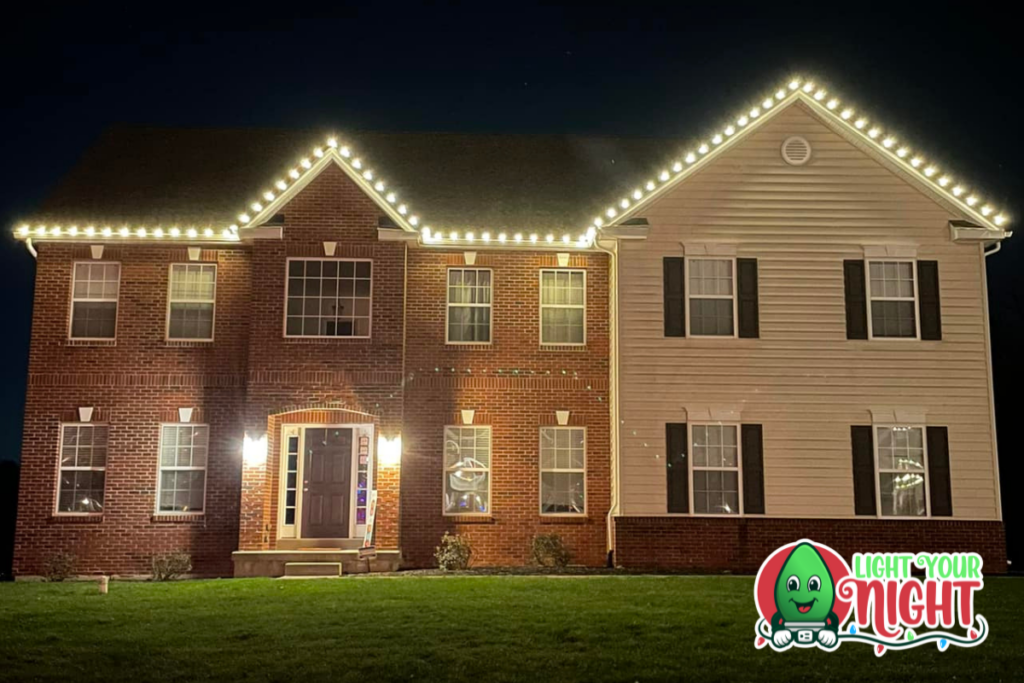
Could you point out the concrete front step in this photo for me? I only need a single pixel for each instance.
(312, 569)
(319, 544)
(272, 563)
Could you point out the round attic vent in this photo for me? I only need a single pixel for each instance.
(796, 151)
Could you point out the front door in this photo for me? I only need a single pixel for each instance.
(326, 482)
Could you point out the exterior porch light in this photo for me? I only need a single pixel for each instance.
(389, 451)
(254, 451)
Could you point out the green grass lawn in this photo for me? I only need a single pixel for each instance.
(537, 629)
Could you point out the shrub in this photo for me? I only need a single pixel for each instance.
(549, 551)
(453, 553)
(59, 566)
(171, 566)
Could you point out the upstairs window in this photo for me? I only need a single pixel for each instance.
(94, 300)
(893, 297)
(83, 469)
(191, 302)
(712, 298)
(563, 302)
(328, 298)
(469, 306)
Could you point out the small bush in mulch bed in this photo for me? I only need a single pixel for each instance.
(454, 552)
(549, 550)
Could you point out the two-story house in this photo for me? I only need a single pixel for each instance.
(780, 332)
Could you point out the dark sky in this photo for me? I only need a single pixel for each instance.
(945, 75)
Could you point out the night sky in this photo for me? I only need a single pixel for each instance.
(944, 75)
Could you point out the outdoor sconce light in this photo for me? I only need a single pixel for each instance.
(389, 451)
(254, 451)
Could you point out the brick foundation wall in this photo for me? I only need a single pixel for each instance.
(741, 545)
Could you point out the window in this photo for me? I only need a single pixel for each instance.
(711, 297)
(291, 479)
(469, 306)
(893, 297)
(467, 470)
(562, 470)
(193, 294)
(716, 469)
(900, 456)
(328, 298)
(83, 468)
(563, 300)
(182, 483)
(94, 300)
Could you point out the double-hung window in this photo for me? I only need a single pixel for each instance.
(328, 298)
(562, 470)
(191, 301)
(181, 487)
(712, 297)
(716, 468)
(892, 293)
(83, 469)
(467, 470)
(563, 302)
(902, 470)
(469, 306)
(94, 297)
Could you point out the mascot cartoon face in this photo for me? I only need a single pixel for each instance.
(804, 597)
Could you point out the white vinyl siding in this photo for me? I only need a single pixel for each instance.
(95, 290)
(191, 301)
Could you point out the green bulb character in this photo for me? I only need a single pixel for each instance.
(804, 597)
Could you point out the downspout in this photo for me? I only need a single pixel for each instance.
(613, 395)
(990, 379)
(31, 248)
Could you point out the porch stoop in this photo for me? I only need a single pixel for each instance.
(274, 563)
(312, 569)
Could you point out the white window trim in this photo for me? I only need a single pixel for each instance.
(878, 471)
(541, 471)
(490, 474)
(160, 468)
(738, 469)
(60, 455)
(73, 299)
(284, 312)
(540, 312)
(172, 300)
(871, 299)
(689, 295)
(448, 307)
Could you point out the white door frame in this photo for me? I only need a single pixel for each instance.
(294, 531)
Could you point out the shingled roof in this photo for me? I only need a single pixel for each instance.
(167, 176)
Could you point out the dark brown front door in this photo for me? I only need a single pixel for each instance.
(327, 483)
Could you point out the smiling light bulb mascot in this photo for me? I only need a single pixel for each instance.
(804, 596)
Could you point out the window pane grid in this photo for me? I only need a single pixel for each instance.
(469, 306)
(183, 457)
(902, 471)
(467, 459)
(328, 298)
(715, 457)
(95, 289)
(563, 304)
(893, 299)
(291, 479)
(711, 295)
(83, 461)
(562, 465)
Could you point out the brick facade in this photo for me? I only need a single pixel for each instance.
(741, 545)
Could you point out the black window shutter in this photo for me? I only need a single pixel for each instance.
(938, 472)
(863, 470)
(746, 289)
(856, 300)
(677, 472)
(674, 286)
(753, 469)
(928, 299)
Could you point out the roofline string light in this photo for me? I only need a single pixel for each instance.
(820, 98)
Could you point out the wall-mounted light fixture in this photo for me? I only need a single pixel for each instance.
(254, 450)
(389, 451)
